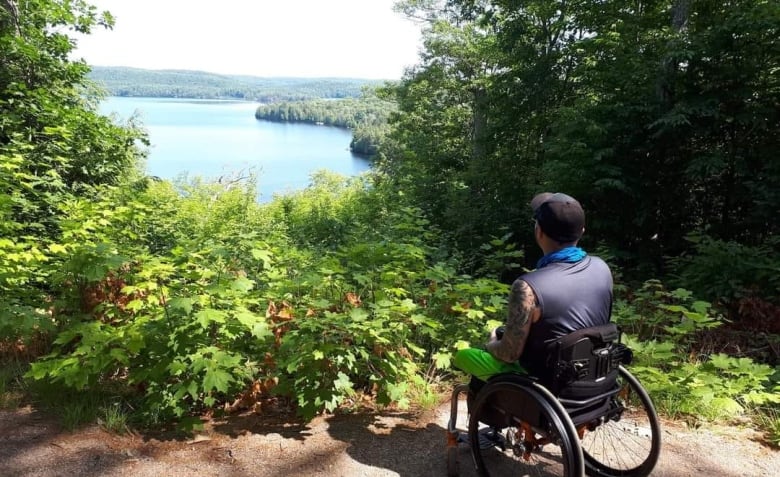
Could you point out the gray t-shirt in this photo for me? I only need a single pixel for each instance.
(572, 296)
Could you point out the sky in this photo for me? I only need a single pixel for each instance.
(269, 38)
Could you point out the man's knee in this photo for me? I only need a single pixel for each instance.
(460, 360)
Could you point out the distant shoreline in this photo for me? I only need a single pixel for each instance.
(182, 84)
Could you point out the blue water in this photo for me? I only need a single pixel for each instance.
(219, 138)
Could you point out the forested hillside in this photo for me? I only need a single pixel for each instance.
(127, 299)
(123, 81)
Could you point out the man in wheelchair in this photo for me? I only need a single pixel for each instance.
(548, 392)
(569, 291)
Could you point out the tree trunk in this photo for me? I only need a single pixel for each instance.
(13, 12)
(480, 123)
(680, 13)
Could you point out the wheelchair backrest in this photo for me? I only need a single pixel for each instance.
(589, 356)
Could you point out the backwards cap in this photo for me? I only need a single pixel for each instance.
(559, 215)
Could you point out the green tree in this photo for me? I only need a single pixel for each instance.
(54, 146)
(51, 135)
(683, 143)
(476, 114)
(661, 117)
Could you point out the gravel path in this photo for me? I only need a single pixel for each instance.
(387, 444)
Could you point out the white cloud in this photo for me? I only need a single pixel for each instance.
(305, 38)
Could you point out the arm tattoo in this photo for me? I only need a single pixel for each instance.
(522, 304)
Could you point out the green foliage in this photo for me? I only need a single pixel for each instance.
(346, 113)
(332, 211)
(366, 138)
(718, 388)
(54, 147)
(652, 311)
(167, 329)
(726, 270)
(378, 312)
(659, 120)
(22, 312)
(662, 326)
(366, 116)
(231, 300)
(11, 384)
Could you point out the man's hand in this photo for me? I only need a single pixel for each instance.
(497, 333)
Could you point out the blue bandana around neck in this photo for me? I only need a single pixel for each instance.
(566, 255)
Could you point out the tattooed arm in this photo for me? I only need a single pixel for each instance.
(523, 311)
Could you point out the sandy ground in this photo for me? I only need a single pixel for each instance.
(386, 444)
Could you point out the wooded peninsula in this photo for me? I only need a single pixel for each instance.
(345, 103)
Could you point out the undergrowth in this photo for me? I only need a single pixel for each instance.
(178, 301)
(12, 388)
(661, 328)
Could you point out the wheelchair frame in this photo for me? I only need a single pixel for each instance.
(515, 401)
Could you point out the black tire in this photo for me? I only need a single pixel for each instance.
(523, 403)
(629, 444)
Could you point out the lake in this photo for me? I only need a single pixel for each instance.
(213, 138)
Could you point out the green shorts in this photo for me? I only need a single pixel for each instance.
(482, 365)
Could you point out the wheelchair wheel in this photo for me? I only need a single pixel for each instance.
(517, 429)
(627, 444)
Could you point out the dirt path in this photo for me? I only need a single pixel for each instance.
(389, 444)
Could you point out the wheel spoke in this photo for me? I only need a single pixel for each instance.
(536, 443)
(629, 443)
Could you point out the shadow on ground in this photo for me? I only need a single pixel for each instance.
(382, 441)
(380, 444)
(29, 439)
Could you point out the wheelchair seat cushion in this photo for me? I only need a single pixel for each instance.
(584, 389)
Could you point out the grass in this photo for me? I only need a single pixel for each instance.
(76, 408)
(82, 408)
(75, 414)
(73, 408)
(425, 395)
(11, 384)
(113, 418)
(768, 420)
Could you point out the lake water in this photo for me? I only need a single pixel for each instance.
(214, 138)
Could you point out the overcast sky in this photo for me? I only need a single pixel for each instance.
(300, 38)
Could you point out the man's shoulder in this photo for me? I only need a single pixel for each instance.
(596, 261)
(591, 264)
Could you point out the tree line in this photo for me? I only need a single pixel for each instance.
(124, 81)
(347, 103)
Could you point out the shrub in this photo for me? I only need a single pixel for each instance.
(661, 327)
(726, 271)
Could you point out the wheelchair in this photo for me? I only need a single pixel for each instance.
(590, 416)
